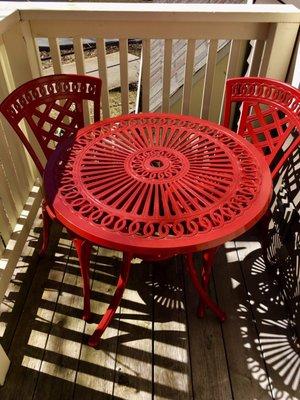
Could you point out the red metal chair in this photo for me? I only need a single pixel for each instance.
(270, 120)
(53, 107)
(270, 116)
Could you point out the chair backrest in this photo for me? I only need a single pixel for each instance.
(270, 116)
(53, 107)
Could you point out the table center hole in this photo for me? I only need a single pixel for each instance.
(156, 163)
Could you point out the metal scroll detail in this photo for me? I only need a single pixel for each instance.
(270, 112)
(157, 178)
(53, 107)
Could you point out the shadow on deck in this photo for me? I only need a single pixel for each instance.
(156, 347)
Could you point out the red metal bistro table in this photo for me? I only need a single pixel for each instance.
(157, 185)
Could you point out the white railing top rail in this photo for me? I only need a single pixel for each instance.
(160, 12)
(8, 18)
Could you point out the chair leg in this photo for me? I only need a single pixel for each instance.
(204, 298)
(110, 312)
(84, 248)
(208, 260)
(47, 221)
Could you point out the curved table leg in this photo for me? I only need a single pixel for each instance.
(208, 259)
(110, 312)
(84, 249)
(46, 229)
(204, 298)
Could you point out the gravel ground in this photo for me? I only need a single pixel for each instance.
(114, 95)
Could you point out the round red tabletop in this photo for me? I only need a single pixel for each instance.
(162, 183)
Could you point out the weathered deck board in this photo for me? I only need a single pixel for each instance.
(208, 358)
(274, 336)
(61, 345)
(239, 332)
(25, 358)
(96, 369)
(133, 372)
(171, 367)
(12, 306)
(156, 347)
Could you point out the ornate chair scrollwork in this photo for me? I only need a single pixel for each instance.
(269, 116)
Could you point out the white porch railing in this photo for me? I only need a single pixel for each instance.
(273, 28)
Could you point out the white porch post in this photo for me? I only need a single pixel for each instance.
(4, 365)
(279, 50)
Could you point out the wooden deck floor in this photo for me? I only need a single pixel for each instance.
(156, 347)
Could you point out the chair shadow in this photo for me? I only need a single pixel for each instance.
(277, 341)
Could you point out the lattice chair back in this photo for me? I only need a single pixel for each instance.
(269, 116)
(53, 107)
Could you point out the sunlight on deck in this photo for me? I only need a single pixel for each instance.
(150, 337)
